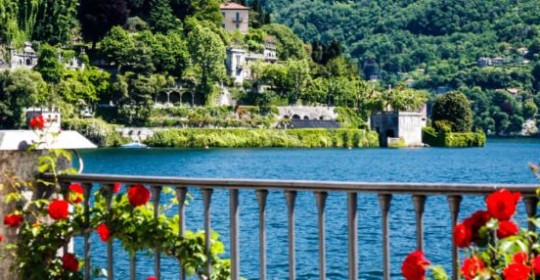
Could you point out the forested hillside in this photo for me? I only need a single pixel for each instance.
(434, 44)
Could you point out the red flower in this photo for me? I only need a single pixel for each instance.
(536, 265)
(520, 257)
(502, 204)
(58, 209)
(507, 228)
(138, 195)
(37, 122)
(104, 232)
(116, 187)
(471, 267)
(70, 262)
(414, 266)
(1, 238)
(462, 235)
(516, 271)
(76, 193)
(476, 221)
(151, 278)
(13, 220)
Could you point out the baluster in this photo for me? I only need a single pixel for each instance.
(261, 199)
(64, 190)
(110, 257)
(132, 263)
(290, 197)
(87, 266)
(207, 197)
(320, 198)
(530, 204)
(419, 202)
(156, 194)
(181, 193)
(454, 202)
(235, 245)
(384, 201)
(352, 221)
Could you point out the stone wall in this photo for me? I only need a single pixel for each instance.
(307, 113)
(22, 165)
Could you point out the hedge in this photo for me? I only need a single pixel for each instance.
(96, 130)
(453, 139)
(240, 138)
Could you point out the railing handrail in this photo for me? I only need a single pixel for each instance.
(305, 185)
(383, 190)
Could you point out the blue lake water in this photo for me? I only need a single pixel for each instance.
(501, 161)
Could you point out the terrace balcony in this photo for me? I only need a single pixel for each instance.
(260, 189)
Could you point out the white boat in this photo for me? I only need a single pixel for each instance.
(134, 145)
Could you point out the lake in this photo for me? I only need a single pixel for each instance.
(501, 161)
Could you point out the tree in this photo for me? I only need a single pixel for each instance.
(455, 108)
(208, 52)
(97, 17)
(161, 17)
(529, 109)
(48, 64)
(288, 43)
(55, 20)
(298, 75)
(118, 47)
(19, 89)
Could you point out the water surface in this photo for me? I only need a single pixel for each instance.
(501, 161)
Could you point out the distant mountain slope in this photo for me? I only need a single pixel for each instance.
(389, 37)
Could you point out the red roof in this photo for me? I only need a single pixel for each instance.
(232, 6)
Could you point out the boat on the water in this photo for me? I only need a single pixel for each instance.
(134, 145)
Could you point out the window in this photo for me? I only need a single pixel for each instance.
(237, 16)
(238, 26)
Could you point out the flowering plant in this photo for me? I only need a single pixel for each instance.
(495, 246)
(45, 223)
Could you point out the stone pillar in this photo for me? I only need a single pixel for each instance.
(22, 165)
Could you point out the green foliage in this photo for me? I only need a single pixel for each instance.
(19, 89)
(350, 118)
(237, 138)
(287, 43)
(453, 107)
(399, 143)
(391, 40)
(48, 64)
(207, 52)
(452, 139)
(96, 130)
(97, 17)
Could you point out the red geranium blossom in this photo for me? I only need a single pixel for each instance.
(536, 265)
(516, 271)
(37, 122)
(520, 257)
(507, 228)
(116, 187)
(104, 232)
(414, 266)
(462, 235)
(13, 220)
(471, 267)
(70, 262)
(1, 238)
(502, 204)
(76, 193)
(58, 209)
(151, 278)
(138, 195)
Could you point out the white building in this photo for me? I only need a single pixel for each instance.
(236, 17)
(393, 125)
(28, 59)
(239, 60)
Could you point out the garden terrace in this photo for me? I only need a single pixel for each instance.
(384, 191)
